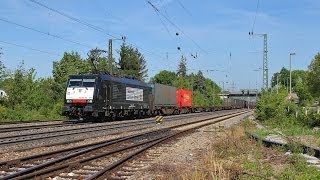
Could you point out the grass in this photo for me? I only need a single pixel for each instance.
(263, 132)
(239, 157)
(293, 132)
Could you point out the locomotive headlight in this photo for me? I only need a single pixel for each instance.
(89, 101)
(69, 101)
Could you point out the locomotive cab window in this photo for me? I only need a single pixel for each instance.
(88, 82)
(81, 83)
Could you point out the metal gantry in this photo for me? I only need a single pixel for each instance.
(265, 62)
(265, 69)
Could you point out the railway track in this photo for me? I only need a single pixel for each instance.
(38, 126)
(89, 161)
(28, 122)
(6, 139)
(18, 126)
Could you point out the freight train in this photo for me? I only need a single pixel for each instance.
(106, 97)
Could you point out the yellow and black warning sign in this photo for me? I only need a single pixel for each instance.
(159, 119)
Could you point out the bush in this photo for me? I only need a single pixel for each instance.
(272, 106)
(313, 119)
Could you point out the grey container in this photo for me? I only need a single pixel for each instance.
(164, 95)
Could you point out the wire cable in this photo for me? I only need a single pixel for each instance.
(30, 48)
(255, 17)
(174, 25)
(74, 19)
(183, 7)
(167, 29)
(45, 33)
(96, 28)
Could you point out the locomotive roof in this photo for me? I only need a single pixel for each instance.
(113, 78)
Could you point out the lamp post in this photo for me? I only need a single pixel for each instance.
(291, 54)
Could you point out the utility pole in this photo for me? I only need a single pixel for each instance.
(233, 86)
(222, 86)
(277, 83)
(123, 38)
(264, 60)
(110, 56)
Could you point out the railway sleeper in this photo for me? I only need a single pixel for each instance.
(84, 171)
(114, 177)
(92, 168)
(67, 176)
(124, 173)
(74, 165)
(138, 164)
(134, 169)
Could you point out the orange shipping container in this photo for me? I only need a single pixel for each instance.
(184, 98)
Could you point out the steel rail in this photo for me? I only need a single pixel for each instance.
(24, 173)
(13, 139)
(130, 156)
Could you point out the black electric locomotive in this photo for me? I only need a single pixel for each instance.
(106, 97)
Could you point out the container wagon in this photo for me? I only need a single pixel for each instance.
(164, 99)
(183, 101)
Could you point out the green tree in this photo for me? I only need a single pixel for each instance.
(71, 63)
(3, 73)
(164, 77)
(272, 106)
(198, 83)
(102, 63)
(3, 76)
(19, 85)
(313, 78)
(212, 91)
(182, 67)
(298, 82)
(132, 62)
(29, 98)
(183, 82)
(283, 78)
(300, 85)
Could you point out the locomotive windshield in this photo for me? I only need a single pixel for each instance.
(81, 83)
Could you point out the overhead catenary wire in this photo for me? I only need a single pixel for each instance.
(45, 33)
(96, 28)
(177, 27)
(167, 29)
(255, 16)
(30, 48)
(183, 7)
(99, 29)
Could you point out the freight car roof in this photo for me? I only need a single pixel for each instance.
(113, 78)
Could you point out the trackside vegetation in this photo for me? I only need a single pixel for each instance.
(235, 156)
(300, 118)
(29, 97)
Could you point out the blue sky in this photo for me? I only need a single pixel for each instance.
(217, 27)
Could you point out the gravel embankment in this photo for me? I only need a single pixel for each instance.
(182, 153)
